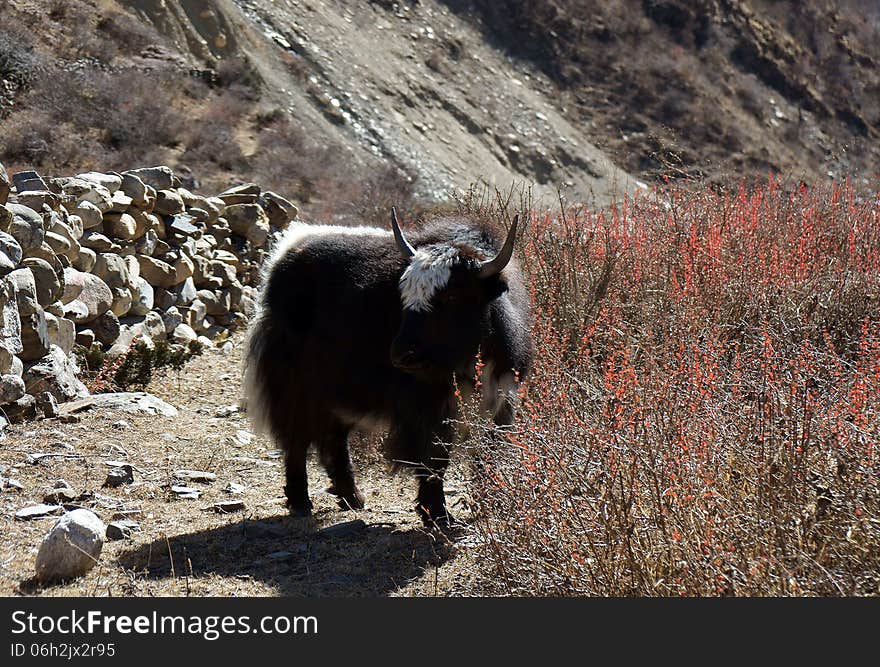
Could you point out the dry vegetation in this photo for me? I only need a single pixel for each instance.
(703, 418)
(112, 93)
(713, 88)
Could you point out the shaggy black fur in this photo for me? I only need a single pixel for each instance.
(333, 350)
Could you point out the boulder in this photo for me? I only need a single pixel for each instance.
(183, 334)
(89, 214)
(168, 202)
(112, 269)
(134, 188)
(37, 199)
(71, 547)
(62, 332)
(55, 373)
(11, 388)
(154, 326)
(171, 318)
(109, 181)
(216, 303)
(99, 196)
(6, 218)
(27, 226)
(97, 241)
(120, 226)
(280, 211)
(85, 260)
(35, 341)
(156, 272)
(249, 221)
(122, 301)
(106, 328)
(28, 180)
(5, 185)
(92, 298)
(160, 178)
(48, 285)
(24, 287)
(142, 298)
(120, 203)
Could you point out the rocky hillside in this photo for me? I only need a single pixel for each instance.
(348, 106)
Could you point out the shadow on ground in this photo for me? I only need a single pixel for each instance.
(295, 557)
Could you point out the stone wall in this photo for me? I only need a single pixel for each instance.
(102, 259)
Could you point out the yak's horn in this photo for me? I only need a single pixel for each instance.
(494, 266)
(405, 248)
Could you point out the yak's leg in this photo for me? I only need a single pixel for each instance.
(296, 487)
(333, 450)
(421, 441)
(431, 499)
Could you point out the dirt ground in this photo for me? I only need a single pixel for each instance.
(184, 546)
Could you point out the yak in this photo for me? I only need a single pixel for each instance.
(363, 328)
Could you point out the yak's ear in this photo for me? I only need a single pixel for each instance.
(493, 287)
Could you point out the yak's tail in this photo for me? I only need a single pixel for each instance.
(255, 397)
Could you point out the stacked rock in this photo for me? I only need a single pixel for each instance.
(106, 258)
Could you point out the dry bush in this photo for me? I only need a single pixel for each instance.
(92, 119)
(704, 414)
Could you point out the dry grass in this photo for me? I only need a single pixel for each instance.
(215, 554)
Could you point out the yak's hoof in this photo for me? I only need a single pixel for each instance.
(351, 500)
(440, 518)
(299, 509)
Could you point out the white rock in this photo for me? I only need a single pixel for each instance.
(72, 546)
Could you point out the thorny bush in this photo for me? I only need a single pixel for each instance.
(704, 413)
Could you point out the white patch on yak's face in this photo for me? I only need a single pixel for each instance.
(428, 272)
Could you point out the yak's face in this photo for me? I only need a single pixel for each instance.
(445, 292)
(444, 315)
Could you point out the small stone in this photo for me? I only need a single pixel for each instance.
(195, 475)
(122, 529)
(184, 334)
(60, 495)
(71, 547)
(37, 512)
(134, 402)
(234, 488)
(343, 529)
(186, 492)
(9, 484)
(47, 404)
(227, 411)
(228, 506)
(119, 475)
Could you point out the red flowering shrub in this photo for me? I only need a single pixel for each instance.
(704, 413)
